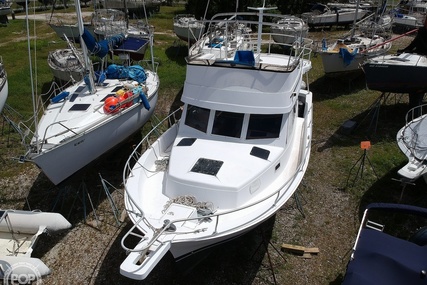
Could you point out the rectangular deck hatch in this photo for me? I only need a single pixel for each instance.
(186, 142)
(207, 166)
(260, 152)
(79, 107)
(77, 93)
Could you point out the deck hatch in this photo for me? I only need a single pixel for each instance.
(260, 152)
(186, 142)
(79, 107)
(77, 93)
(207, 166)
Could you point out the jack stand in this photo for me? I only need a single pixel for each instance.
(110, 198)
(82, 190)
(298, 203)
(404, 183)
(365, 145)
(374, 109)
(266, 244)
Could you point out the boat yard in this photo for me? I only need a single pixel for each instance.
(325, 214)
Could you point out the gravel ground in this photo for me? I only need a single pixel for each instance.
(323, 216)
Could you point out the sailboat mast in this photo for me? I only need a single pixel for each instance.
(88, 64)
(353, 29)
(33, 95)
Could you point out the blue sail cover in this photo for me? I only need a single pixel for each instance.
(135, 72)
(380, 258)
(347, 56)
(101, 48)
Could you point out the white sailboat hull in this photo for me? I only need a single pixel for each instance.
(187, 28)
(412, 141)
(4, 90)
(344, 17)
(65, 65)
(67, 158)
(334, 62)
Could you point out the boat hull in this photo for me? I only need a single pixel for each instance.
(398, 74)
(347, 55)
(332, 19)
(65, 65)
(411, 142)
(4, 88)
(188, 34)
(70, 31)
(187, 28)
(67, 158)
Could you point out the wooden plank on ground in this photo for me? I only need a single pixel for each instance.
(303, 251)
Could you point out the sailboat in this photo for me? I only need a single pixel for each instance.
(5, 9)
(238, 153)
(4, 87)
(288, 29)
(65, 65)
(187, 28)
(348, 53)
(110, 22)
(412, 141)
(323, 15)
(87, 119)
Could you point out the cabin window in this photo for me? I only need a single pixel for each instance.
(264, 126)
(227, 124)
(197, 118)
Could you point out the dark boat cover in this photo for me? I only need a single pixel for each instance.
(380, 258)
(101, 48)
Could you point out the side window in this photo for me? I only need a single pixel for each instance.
(264, 126)
(197, 118)
(227, 124)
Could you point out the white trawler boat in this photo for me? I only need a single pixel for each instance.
(237, 155)
(87, 119)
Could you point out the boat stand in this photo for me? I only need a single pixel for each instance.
(266, 244)
(403, 183)
(80, 194)
(298, 203)
(364, 145)
(106, 185)
(374, 111)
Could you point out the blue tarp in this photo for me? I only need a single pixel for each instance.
(101, 48)
(348, 56)
(135, 72)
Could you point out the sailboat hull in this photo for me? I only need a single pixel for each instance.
(62, 161)
(4, 87)
(398, 74)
